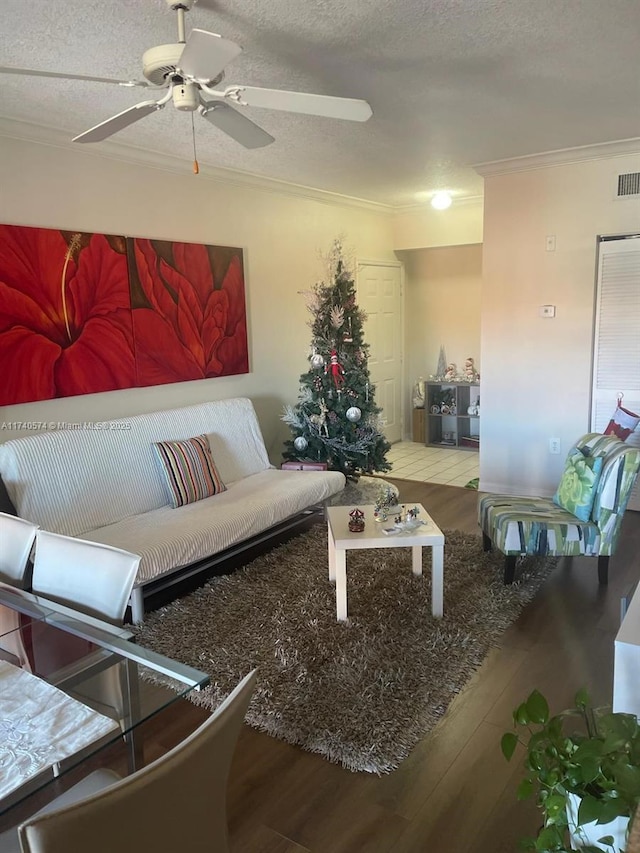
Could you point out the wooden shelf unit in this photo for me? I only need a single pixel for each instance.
(456, 428)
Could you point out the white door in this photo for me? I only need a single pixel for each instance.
(616, 356)
(379, 288)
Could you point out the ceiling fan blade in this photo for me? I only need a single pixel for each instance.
(235, 125)
(300, 102)
(4, 69)
(118, 122)
(206, 54)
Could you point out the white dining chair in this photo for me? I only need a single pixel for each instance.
(91, 577)
(178, 802)
(94, 579)
(17, 536)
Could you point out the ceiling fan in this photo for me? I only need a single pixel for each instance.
(189, 70)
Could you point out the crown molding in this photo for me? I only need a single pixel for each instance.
(169, 163)
(560, 157)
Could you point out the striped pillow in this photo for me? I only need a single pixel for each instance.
(189, 470)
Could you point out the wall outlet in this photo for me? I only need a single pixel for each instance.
(554, 445)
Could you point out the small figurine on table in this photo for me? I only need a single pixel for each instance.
(356, 521)
(380, 513)
(409, 520)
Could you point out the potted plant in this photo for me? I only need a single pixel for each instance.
(586, 781)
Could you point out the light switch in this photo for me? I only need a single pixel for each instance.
(547, 311)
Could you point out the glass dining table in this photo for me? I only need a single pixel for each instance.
(75, 694)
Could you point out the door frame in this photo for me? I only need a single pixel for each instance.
(372, 262)
(631, 241)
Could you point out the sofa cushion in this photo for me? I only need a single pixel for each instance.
(167, 539)
(75, 480)
(189, 470)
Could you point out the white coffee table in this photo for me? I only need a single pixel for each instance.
(341, 540)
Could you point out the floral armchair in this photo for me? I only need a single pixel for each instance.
(582, 519)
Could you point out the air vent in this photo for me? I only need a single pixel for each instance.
(629, 185)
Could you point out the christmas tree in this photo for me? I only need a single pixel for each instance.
(336, 419)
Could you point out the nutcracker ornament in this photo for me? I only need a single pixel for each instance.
(335, 369)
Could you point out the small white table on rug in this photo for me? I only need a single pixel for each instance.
(341, 540)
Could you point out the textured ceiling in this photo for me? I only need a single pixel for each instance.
(451, 82)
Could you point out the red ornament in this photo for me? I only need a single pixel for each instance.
(335, 369)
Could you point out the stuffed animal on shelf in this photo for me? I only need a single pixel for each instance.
(451, 372)
(470, 372)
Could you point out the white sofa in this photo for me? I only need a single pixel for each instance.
(106, 485)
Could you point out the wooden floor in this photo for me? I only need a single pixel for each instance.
(455, 793)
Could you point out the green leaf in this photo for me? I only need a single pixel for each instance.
(520, 715)
(537, 708)
(590, 810)
(588, 750)
(624, 726)
(525, 789)
(555, 805)
(508, 744)
(554, 727)
(589, 768)
(628, 779)
(606, 839)
(548, 839)
(613, 807)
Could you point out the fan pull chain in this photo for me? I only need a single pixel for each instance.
(196, 167)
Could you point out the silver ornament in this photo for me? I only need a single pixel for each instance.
(300, 443)
(354, 414)
(317, 360)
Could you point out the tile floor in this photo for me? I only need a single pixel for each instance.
(414, 461)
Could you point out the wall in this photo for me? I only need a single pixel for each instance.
(282, 235)
(422, 227)
(536, 373)
(442, 306)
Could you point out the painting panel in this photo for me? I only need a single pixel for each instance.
(65, 314)
(188, 308)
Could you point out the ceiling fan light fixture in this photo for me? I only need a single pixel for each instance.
(441, 200)
(185, 97)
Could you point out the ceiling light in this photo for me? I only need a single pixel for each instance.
(441, 200)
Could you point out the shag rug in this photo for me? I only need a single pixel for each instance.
(361, 692)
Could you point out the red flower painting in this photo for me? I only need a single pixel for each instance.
(65, 314)
(189, 315)
(82, 313)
